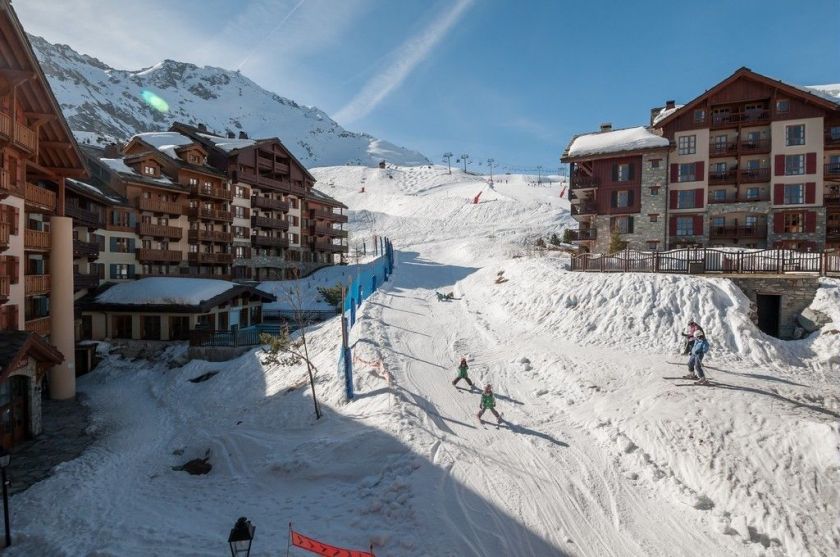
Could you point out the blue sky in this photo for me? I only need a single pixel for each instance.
(492, 78)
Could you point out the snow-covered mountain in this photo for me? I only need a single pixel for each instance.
(109, 103)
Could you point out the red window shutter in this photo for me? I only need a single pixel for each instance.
(810, 192)
(699, 167)
(810, 221)
(698, 224)
(672, 226)
(673, 199)
(778, 194)
(675, 173)
(14, 228)
(14, 279)
(779, 223)
(698, 198)
(810, 163)
(780, 165)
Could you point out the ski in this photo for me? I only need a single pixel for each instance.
(680, 377)
(709, 384)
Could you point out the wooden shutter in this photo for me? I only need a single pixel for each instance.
(810, 163)
(698, 225)
(698, 198)
(630, 225)
(699, 168)
(131, 271)
(113, 270)
(674, 199)
(131, 245)
(615, 172)
(810, 221)
(631, 172)
(810, 192)
(780, 165)
(113, 244)
(631, 198)
(613, 199)
(15, 278)
(672, 226)
(779, 223)
(675, 173)
(14, 228)
(778, 194)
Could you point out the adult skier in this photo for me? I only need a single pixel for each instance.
(692, 328)
(695, 361)
(488, 402)
(462, 373)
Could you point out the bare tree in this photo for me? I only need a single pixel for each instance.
(448, 158)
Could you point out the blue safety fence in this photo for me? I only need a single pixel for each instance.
(372, 277)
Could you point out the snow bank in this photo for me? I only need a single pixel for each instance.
(628, 139)
(165, 290)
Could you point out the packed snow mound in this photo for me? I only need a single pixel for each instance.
(103, 102)
(615, 141)
(165, 290)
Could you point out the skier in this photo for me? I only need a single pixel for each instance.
(695, 361)
(692, 328)
(488, 402)
(462, 373)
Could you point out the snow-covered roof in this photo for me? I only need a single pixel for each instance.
(118, 165)
(165, 290)
(110, 196)
(165, 142)
(829, 92)
(629, 139)
(228, 144)
(318, 195)
(665, 112)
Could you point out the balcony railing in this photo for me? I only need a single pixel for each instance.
(739, 198)
(584, 234)
(269, 241)
(269, 204)
(85, 281)
(267, 222)
(730, 148)
(4, 235)
(755, 231)
(580, 181)
(213, 192)
(209, 214)
(36, 240)
(210, 258)
(749, 175)
(84, 217)
(723, 177)
(167, 255)
(39, 199)
(9, 186)
(5, 125)
(326, 229)
(831, 199)
(832, 232)
(85, 249)
(158, 206)
(326, 244)
(328, 214)
(733, 119)
(4, 289)
(210, 236)
(748, 147)
(159, 230)
(39, 325)
(832, 169)
(26, 137)
(36, 285)
(585, 208)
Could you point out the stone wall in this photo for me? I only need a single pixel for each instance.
(797, 293)
(818, 237)
(654, 198)
(34, 395)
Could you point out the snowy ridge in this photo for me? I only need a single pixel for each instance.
(104, 102)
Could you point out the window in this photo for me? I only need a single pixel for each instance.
(794, 223)
(121, 326)
(622, 198)
(699, 115)
(686, 199)
(122, 271)
(193, 181)
(783, 105)
(240, 232)
(655, 163)
(835, 133)
(833, 164)
(718, 222)
(241, 192)
(653, 217)
(720, 143)
(685, 226)
(624, 225)
(239, 212)
(622, 173)
(149, 170)
(687, 172)
(794, 194)
(753, 193)
(719, 169)
(794, 165)
(719, 195)
(795, 135)
(122, 245)
(687, 144)
(751, 221)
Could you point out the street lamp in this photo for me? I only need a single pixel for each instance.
(5, 458)
(241, 536)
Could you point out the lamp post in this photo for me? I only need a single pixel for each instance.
(5, 458)
(240, 538)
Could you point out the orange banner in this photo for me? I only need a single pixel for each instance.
(309, 544)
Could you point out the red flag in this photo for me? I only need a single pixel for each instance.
(475, 199)
(309, 544)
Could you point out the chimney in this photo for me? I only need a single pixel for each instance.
(670, 104)
(606, 127)
(113, 151)
(231, 135)
(202, 127)
(243, 135)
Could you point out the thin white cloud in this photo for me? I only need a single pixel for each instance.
(267, 35)
(406, 58)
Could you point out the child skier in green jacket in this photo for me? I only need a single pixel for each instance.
(462, 373)
(488, 402)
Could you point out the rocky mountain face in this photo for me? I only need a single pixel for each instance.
(103, 104)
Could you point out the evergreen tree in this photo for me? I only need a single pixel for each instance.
(554, 240)
(616, 243)
(568, 236)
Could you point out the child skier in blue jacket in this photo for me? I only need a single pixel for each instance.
(695, 361)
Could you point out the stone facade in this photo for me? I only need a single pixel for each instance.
(796, 294)
(654, 198)
(817, 237)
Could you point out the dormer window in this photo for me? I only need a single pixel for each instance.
(149, 170)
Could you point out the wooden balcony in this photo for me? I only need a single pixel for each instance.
(753, 175)
(39, 325)
(5, 284)
(582, 181)
(832, 170)
(209, 236)
(739, 119)
(159, 231)
(269, 204)
(832, 233)
(208, 214)
(326, 244)
(747, 147)
(211, 192)
(162, 255)
(36, 285)
(831, 141)
(264, 182)
(9, 186)
(758, 231)
(728, 176)
(269, 241)
(328, 214)
(26, 137)
(36, 240)
(210, 258)
(84, 217)
(585, 208)
(739, 197)
(4, 235)
(5, 125)
(267, 222)
(85, 281)
(831, 199)
(85, 249)
(161, 207)
(728, 149)
(326, 229)
(38, 199)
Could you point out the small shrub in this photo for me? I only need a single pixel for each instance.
(331, 294)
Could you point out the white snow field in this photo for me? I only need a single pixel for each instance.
(599, 454)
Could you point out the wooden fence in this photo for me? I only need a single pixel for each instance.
(705, 260)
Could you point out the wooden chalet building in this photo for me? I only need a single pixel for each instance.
(37, 154)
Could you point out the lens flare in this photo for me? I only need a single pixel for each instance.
(153, 100)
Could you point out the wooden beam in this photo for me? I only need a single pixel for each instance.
(56, 144)
(16, 76)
